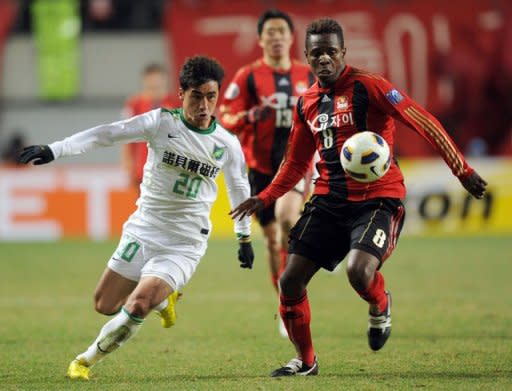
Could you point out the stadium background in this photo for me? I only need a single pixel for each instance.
(66, 65)
(69, 65)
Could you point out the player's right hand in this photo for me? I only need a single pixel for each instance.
(40, 154)
(246, 208)
(259, 113)
(474, 184)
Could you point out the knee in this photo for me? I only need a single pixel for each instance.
(360, 274)
(139, 305)
(290, 285)
(104, 307)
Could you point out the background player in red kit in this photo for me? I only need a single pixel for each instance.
(154, 94)
(258, 107)
(343, 216)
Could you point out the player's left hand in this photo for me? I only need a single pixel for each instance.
(474, 184)
(246, 255)
(246, 208)
(40, 154)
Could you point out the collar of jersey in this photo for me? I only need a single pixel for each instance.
(208, 130)
(280, 71)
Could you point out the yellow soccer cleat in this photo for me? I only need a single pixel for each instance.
(168, 315)
(78, 370)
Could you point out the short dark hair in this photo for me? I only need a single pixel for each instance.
(153, 68)
(325, 26)
(274, 13)
(198, 70)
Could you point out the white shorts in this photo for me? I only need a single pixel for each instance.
(134, 258)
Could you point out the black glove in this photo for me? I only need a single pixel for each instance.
(474, 184)
(246, 255)
(42, 153)
(259, 113)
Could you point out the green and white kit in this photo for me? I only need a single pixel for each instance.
(166, 236)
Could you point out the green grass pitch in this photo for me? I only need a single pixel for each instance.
(452, 323)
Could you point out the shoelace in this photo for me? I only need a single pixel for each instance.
(380, 322)
(294, 364)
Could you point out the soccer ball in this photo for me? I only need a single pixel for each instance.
(365, 157)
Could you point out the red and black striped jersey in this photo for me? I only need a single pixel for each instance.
(326, 117)
(265, 141)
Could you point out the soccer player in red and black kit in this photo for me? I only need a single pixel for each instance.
(258, 107)
(343, 216)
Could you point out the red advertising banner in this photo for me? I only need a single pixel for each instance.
(449, 56)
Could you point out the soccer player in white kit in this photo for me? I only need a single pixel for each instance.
(165, 238)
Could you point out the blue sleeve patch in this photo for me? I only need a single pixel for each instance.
(394, 96)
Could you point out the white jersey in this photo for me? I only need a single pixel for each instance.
(178, 187)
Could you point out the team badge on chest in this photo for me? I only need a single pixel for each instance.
(301, 87)
(342, 103)
(218, 152)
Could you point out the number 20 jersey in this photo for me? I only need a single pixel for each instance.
(179, 181)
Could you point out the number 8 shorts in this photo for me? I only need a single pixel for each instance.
(329, 228)
(135, 258)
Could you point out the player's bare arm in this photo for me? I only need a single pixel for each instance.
(246, 208)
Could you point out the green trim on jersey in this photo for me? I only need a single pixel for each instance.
(179, 112)
(173, 112)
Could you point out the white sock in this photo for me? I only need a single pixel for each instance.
(112, 335)
(162, 306)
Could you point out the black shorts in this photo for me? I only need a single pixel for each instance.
(329, 228)
(258, 183)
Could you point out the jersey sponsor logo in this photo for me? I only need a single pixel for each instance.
(342, 103)
(301, 87)
(172, 159)
(218, 152)
(279, 100)
(324, 121)
(232, 91)
(394, 96)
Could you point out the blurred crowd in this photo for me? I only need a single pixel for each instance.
(107, 15)
(479, 114)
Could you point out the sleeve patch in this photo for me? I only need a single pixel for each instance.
(394, 96)
(232, 91)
